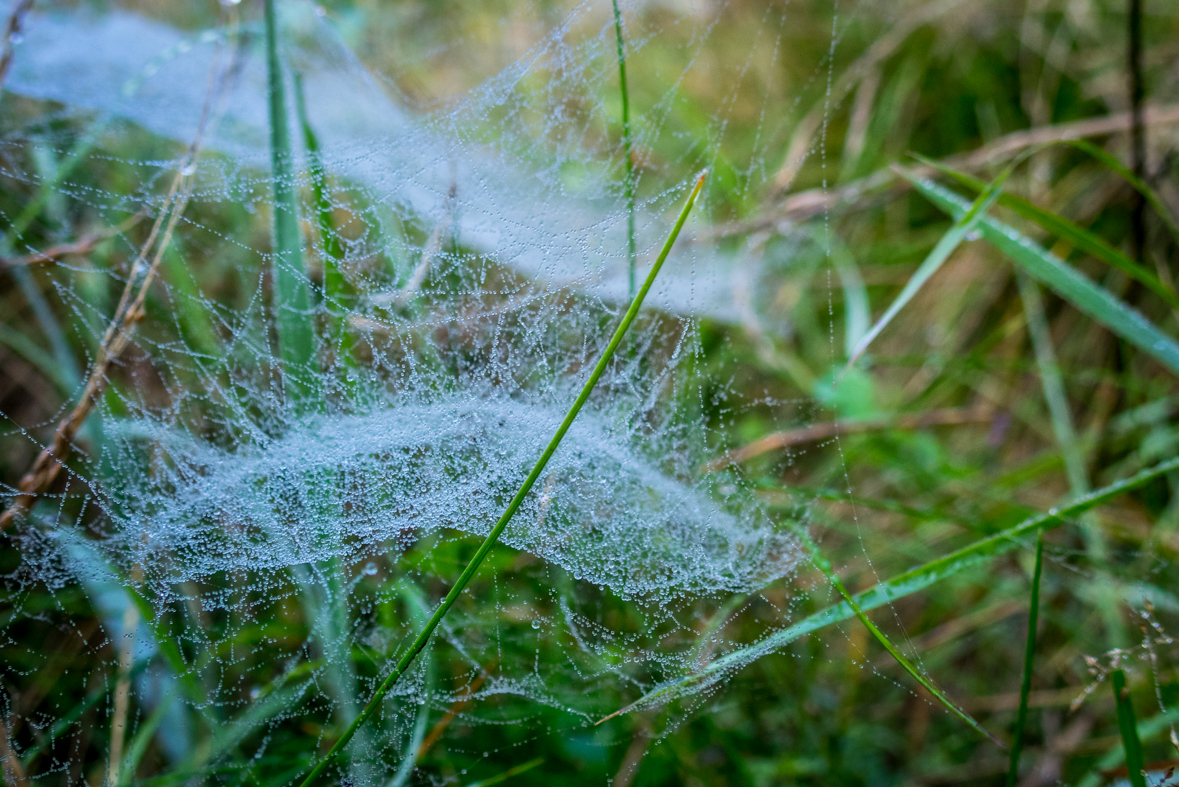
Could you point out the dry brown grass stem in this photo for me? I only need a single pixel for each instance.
(455, 709)
(49, 462)
(84, 245)
(804, 205)
(12, 29)
(772, 442)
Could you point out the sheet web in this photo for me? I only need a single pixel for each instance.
(258, 564)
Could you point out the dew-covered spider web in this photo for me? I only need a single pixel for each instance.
(259, 559)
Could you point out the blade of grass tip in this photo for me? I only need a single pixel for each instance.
(1025, 688)
(420, 642)
(1066, 281)
(956, 234)
(292, 299)
(626, 152)
(509, 773)
(1138, 183)
(1066, 230)
(333, 250)
(1129, 730)
(825, 566)
(900, 586)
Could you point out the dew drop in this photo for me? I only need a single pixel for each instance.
(370, 569)
(535, 624)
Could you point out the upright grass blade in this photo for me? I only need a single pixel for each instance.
(962, 227)
(465, 577)
(1066, 281)
(1138, 183)
(1135, 763)
(825, 566)
(905, 584)
(333, 250)
(1025, 688)
(292, 300)
(626, 152)
(1066, 230)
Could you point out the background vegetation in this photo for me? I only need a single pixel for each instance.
(995, 394)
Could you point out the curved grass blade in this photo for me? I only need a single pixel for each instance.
(1138, 183)
(292, 299)
(1129, 730)
(1066, 281)
(420, 642)
(898, 587)
(509, 773)
(1025, 688)
(824, 565)
(1067, 230)
(963, 226)
(626, 152)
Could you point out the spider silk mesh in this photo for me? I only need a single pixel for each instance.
(259, 564)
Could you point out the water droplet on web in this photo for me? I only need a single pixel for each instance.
(370, 569)
(536, 624)
(973, 235)
(16, 37)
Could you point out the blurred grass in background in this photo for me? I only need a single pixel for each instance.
(951, 425)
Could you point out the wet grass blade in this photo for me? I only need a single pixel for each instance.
(1025, 688)
(420, 642)
(1135, 763)
(898, 587)
(509, 773)
(1066, 230)
(292, 298)
(333, 250)
(1138, 183)
(1066, 281)
(963, 226)
(626, 152)
(825, 566)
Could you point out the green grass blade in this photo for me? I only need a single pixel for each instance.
(902, 585)
(963, 226)
(509, 773)
(824, 565)
(1135, 763)
(333, 250)
(1067, 230)
(292, 299)
(420, 642)
(142, 738)
(1066, 281)
(626, 152)
(1138, 183)
(1025, 688)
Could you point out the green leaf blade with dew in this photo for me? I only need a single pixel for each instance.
(1063, 279)
(963, 226)
(1067, 230)
(900, 586)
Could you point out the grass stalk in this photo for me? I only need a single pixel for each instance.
(292, 299)
(901, 585)
(1128, 728)
(626, 152)
(824, 565)
(465, 577)
(963, 226)
(333, 250)
(509, 773)
(1021, 716)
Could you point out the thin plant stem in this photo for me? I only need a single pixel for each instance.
(626, 152)
(1129, 730)
(292, 298)
(1021, 717)
(824, 566)
(1137, 126)
(525, 488)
